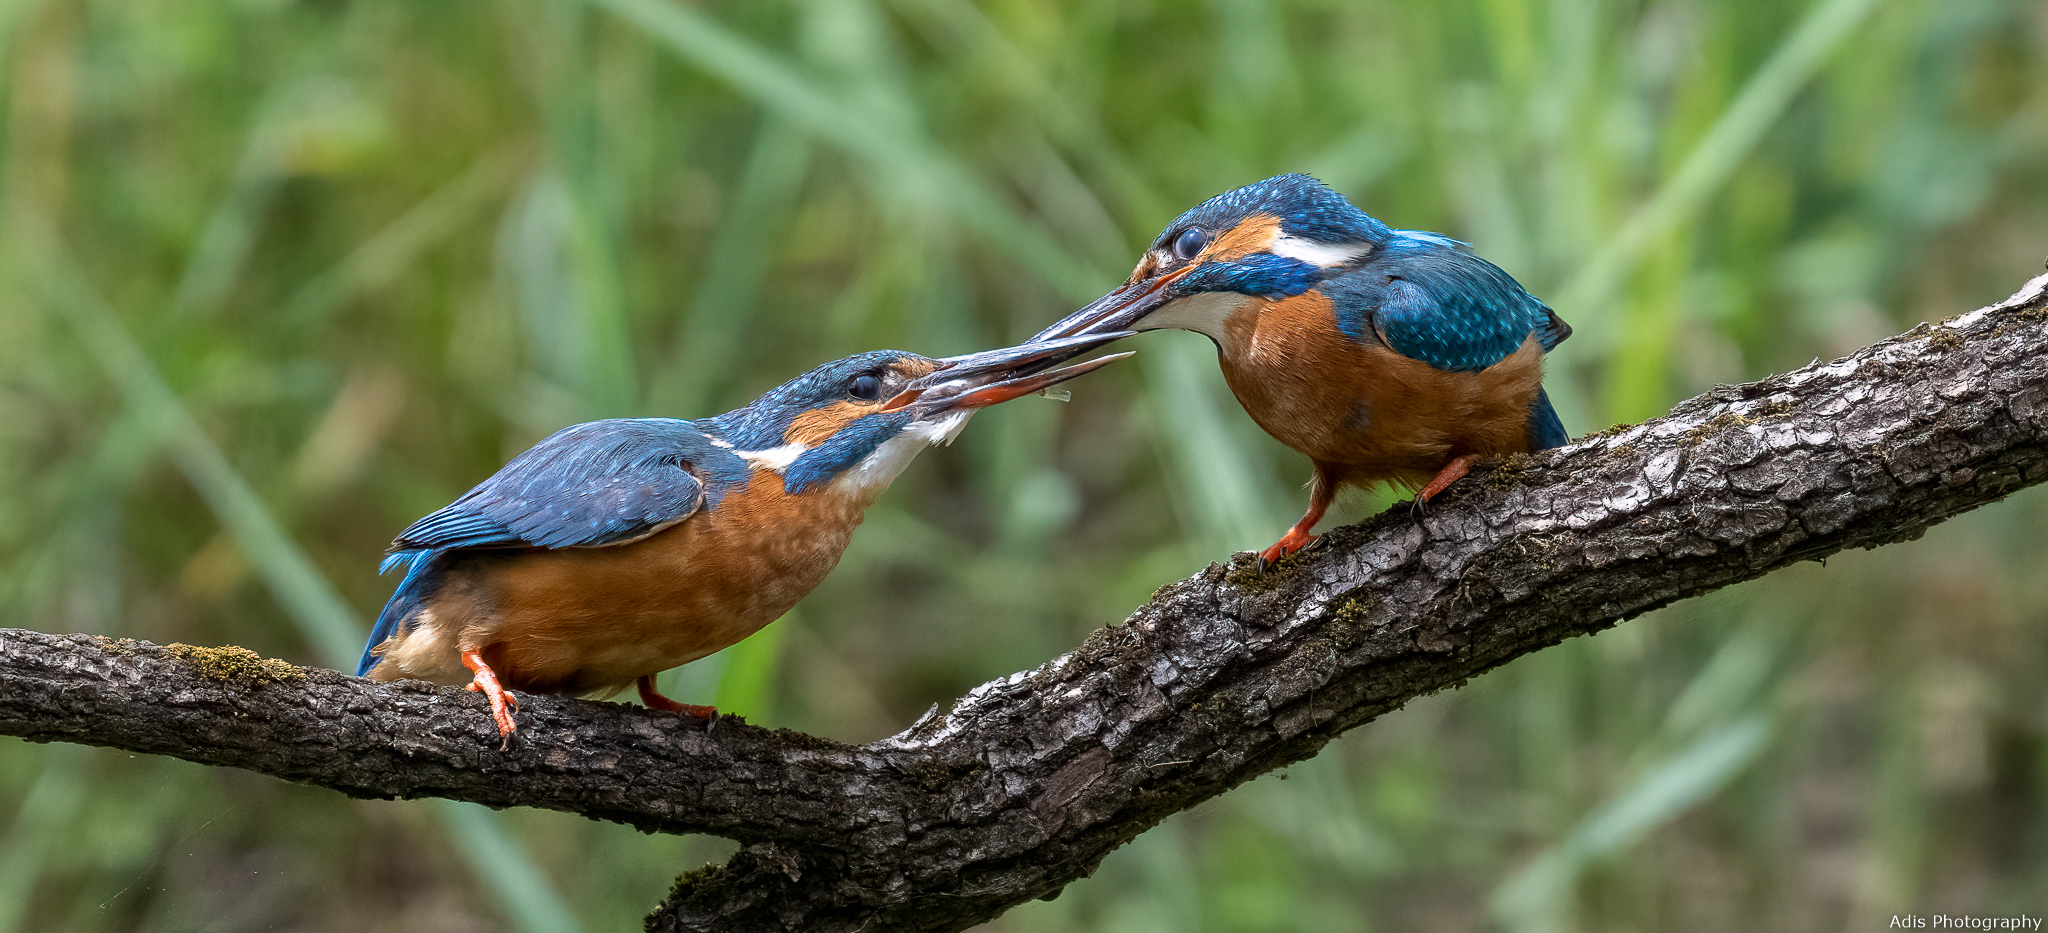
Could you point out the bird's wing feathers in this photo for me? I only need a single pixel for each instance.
(403, 603)
(451, 527)
(1431, 300)
(590, 485)
(1551, 330)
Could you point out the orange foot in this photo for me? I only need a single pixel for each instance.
(1451, 473)
(655, 700)
(502, 703)
(1322, 492)
(1295, 539)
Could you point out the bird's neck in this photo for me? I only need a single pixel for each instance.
(1205, 313)
(863, 479)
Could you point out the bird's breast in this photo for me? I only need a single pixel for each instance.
(590, 620)
(1361, 409)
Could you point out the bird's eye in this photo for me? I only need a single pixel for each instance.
(1190, 242)
(865, 387)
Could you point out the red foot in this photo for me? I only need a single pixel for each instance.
(1322, 491)
(1451, 473)
(1295, 540)
(502, 703)
(655, 700)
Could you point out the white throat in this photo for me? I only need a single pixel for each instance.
(878, 469)
(1202, 312)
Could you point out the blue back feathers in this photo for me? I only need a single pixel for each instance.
(1436, 302)
(587, 485)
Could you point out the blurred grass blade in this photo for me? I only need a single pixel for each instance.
(746, 682)
(1537, 896)
(560, 267)
(1740, 669)
(726, 299)
(92, 491)
(224, 243)
(41, 824)
(1233, 494)
(12, 13)
(1762, 100)
(964, 30)
(325, 621)
(710, 46)
(904, 151)
(383, 257)
(522, 892)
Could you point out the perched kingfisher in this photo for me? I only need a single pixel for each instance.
(618, 549)
(1381, 354)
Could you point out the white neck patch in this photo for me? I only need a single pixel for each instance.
(774, 458)
(1325, 255)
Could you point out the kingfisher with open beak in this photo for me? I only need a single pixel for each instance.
(1381, 354)
(618, 549)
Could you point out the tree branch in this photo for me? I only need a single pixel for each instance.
(1027, 782)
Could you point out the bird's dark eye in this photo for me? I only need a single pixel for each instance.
(1190, 242)
(865, 387)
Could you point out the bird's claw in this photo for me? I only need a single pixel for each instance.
(1295, 542)
(1452, 472)
(654, 700)
(503, 703)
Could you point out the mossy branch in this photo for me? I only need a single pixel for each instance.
(1027, 782)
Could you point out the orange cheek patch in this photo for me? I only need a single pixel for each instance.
(816, 426)
(1253, 235)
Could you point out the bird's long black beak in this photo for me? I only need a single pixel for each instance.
(1117, 311)
(979, 380)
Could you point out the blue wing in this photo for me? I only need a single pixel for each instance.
(589, 485)
(1431, 300)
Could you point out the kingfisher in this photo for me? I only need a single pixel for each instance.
(1381, 354)
(617, 549)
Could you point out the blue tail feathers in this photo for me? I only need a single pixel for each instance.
(1545, 429)
(404, 600)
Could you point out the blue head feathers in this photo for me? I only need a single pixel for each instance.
(1306, 208)
(765, 421)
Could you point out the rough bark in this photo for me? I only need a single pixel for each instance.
(1027, 782)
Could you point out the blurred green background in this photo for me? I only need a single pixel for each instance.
(278, 277)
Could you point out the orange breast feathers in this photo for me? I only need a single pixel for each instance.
(591, 620)
(1362, 410)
